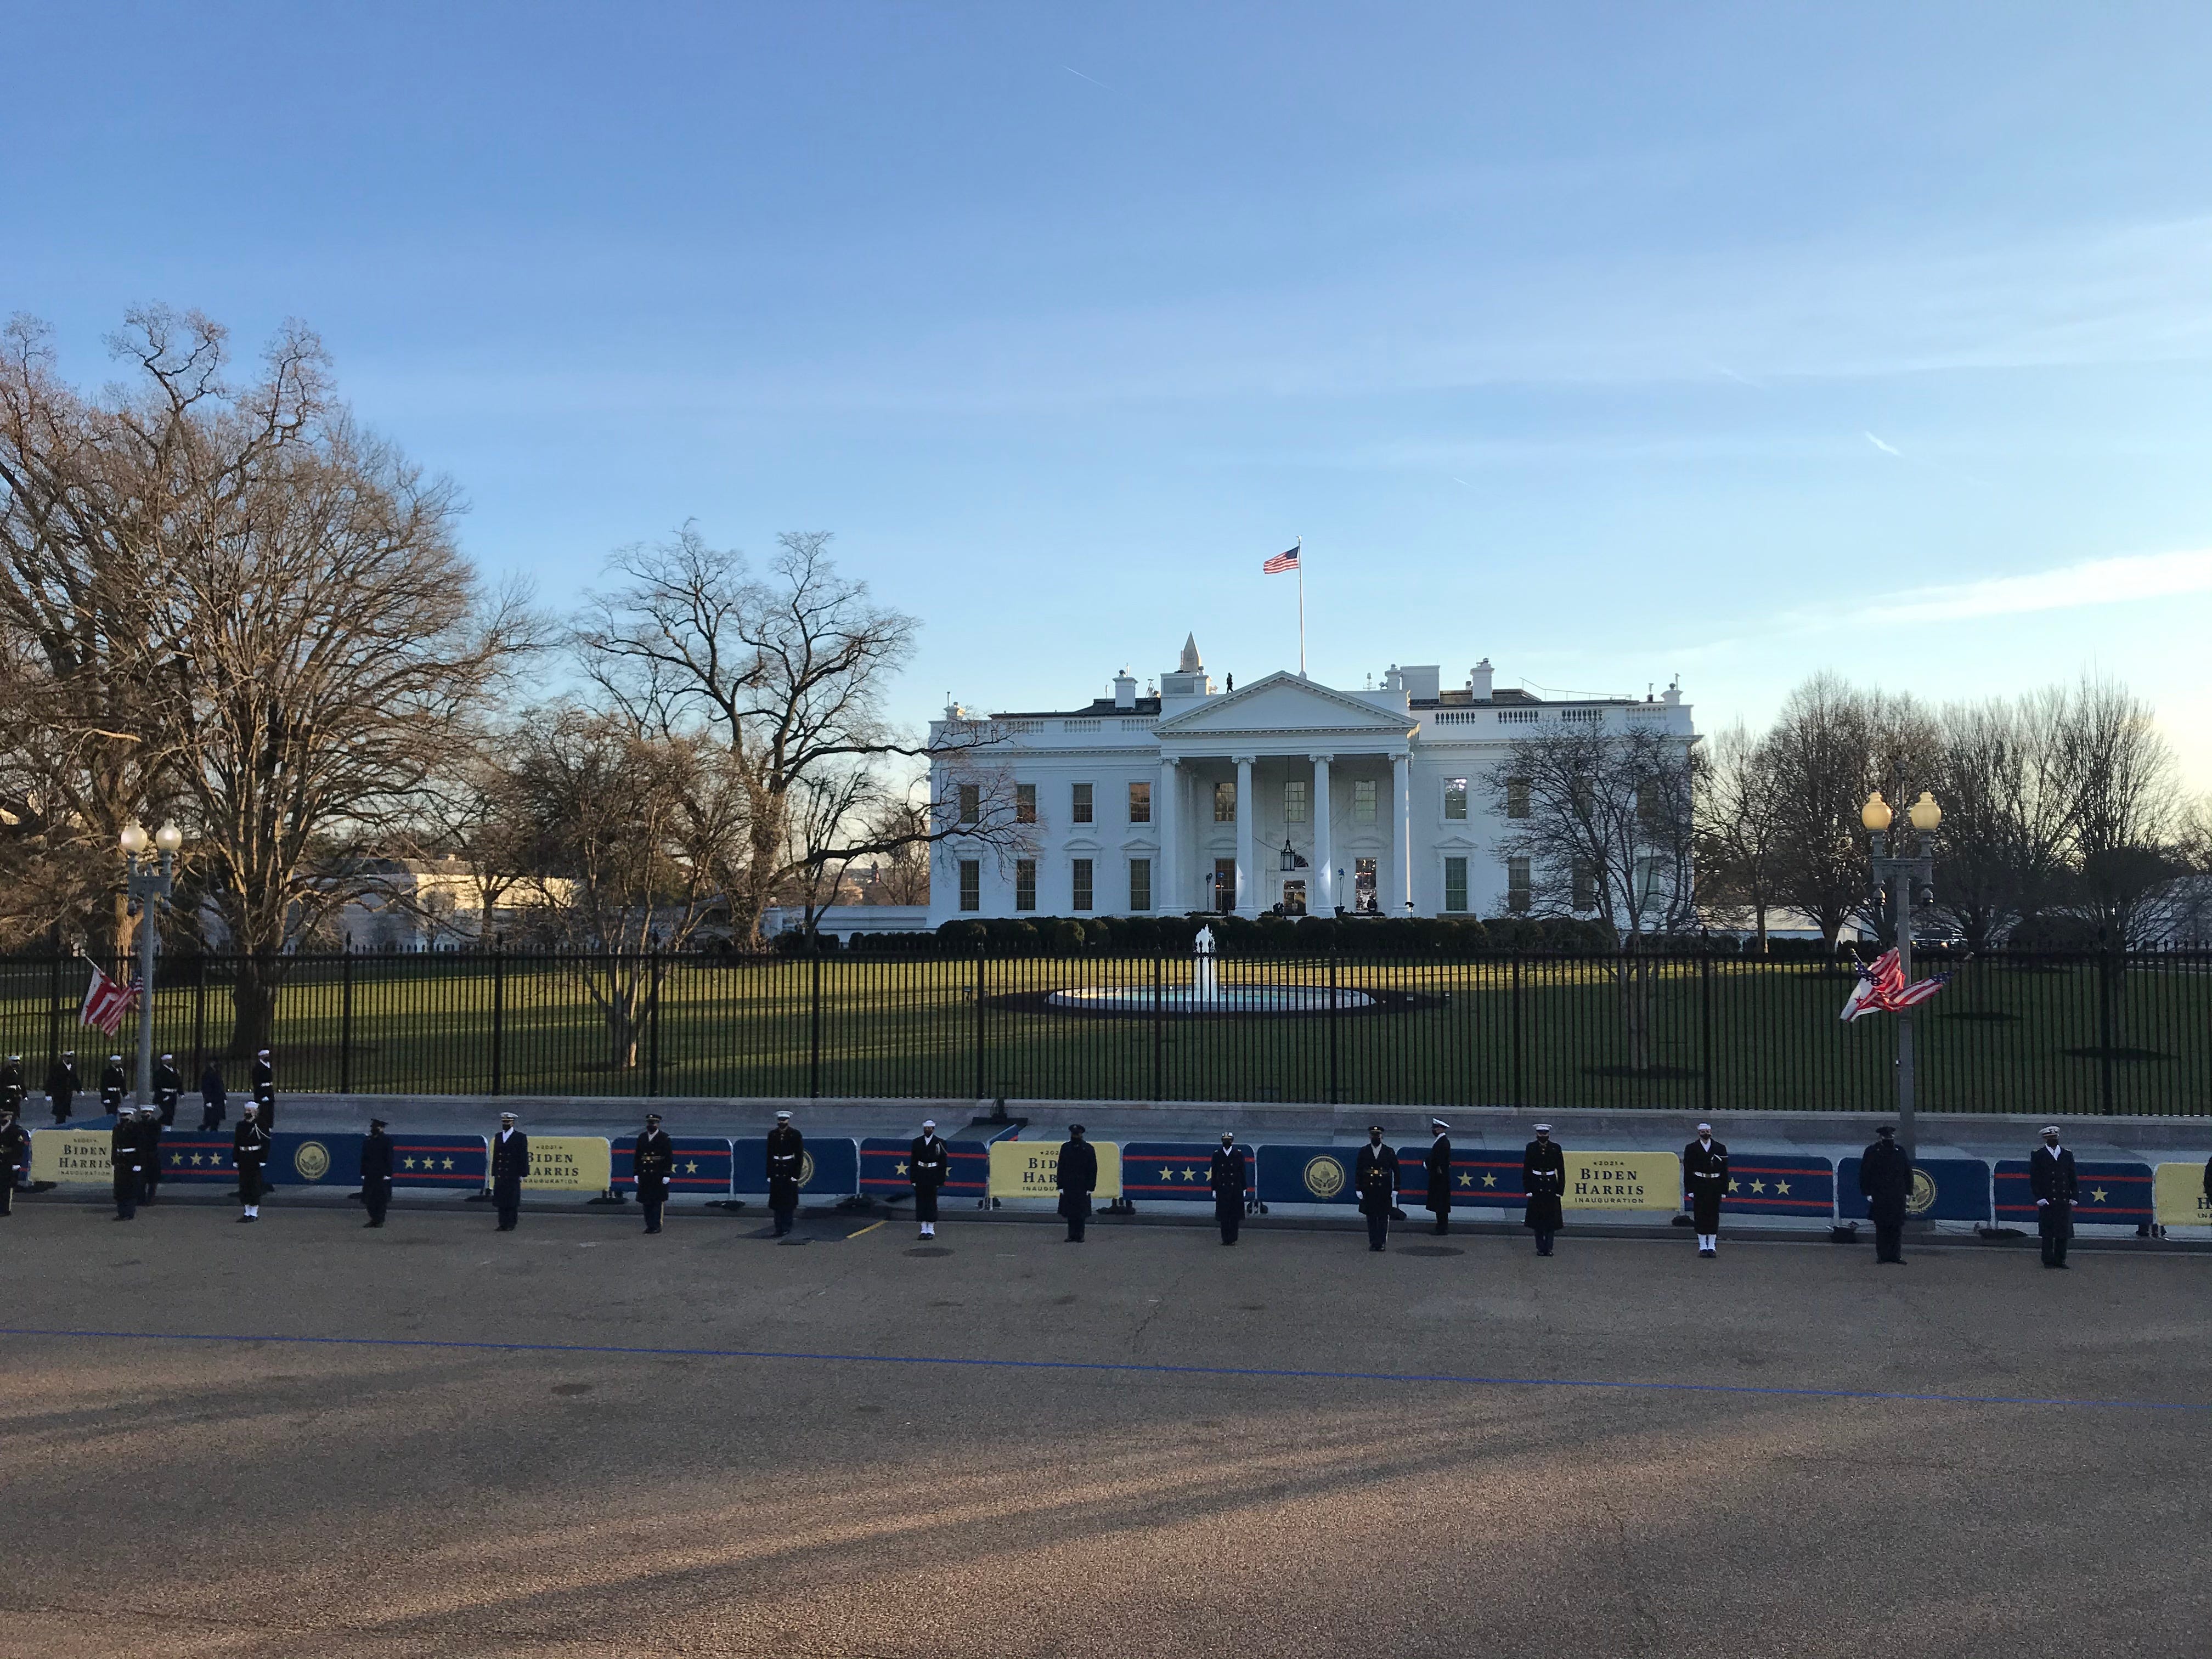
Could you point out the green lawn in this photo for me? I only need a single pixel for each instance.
(1725, 1036)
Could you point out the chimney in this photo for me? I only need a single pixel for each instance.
(1125, 689)
(1392, 681)
(1479, 682)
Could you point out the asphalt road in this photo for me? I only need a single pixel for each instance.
(708, 1443)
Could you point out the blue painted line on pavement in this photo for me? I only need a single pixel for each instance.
(1122, 1368)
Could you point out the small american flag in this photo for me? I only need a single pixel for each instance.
(1882, 988)
(1280, 562)
(104, 1002)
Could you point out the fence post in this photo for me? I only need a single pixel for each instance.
(814, 1023)
(981, 1092)
(199, 1018)
(1159, 1029)
(653, 1030)
(1519, 1098)
(345, 1016)
(499, 1018)
(2110, 965)
(54, 1003)
(1706, 1021)
(1335, 1079)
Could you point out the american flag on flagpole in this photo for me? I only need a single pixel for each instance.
(1280, 562)
(104, 1002)
(1882, 988)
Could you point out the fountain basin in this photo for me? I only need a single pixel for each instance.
(1197, 999)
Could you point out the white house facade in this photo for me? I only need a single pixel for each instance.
(1281, 794)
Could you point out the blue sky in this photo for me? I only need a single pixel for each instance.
(1608, 341)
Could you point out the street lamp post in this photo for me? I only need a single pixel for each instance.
(149, 873)
(1907, 876)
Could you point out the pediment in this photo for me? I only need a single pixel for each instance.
(1284, 702)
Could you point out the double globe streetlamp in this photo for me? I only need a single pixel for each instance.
(149, 871)
(1908, 878)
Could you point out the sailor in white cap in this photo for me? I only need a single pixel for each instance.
(929, 1166)
(264, 1089)
(1229, 1177)
(652, 1167)
(2051, 1177)
(168, 1087)
(1440, 1174)
(510, 1167)
(786, 1169)
(1544, 1179)
(1705, 1184)
(113, 1083)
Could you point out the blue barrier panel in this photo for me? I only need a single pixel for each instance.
(883, 1168)
(1180, 1170)
(1479, 1177)
(1308, 1175)
(188, 1156)
(1943, 1190)
(314, 1160)
(702, 1165)
(1779, 1183)
(439, 1161)
(832, 1167)
(2116, 1193)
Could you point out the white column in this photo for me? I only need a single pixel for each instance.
(1401, 829)
(1167, 876)
(1323, 902)
(1247, 872)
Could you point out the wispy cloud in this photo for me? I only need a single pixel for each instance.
(1886, 449)
(2094, 581)
(1094, 81)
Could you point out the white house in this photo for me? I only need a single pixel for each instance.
(1282, 792)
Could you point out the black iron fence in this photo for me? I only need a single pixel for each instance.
(2041, 1034)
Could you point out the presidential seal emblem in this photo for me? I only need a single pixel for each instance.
(806, 1168)
(313, 1161)
(1924, 1192)
(1324, 1178)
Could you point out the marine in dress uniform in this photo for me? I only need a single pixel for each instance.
(11, 1085)
(1440, 1175)
(149, 1148)
(168, 1089)
(1544, 1178)
(112, 1084)
(264, 1089)
(653, 1162)
(124, 1152)
(1374, 1178)
(929, 1166)
(2051, 1177)
(786, 1172)
(1228, 1181)
(249, 1151)
(62, 1085)
(1704, 1181)
(510, 1163)
(1885, 1181)
(15, 1156)
(375, 1173)
(1078, 1179)
(214, 1100)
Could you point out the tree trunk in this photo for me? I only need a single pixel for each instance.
(1632, 973)
(253, 995)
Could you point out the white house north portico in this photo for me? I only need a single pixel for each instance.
(1281, 794)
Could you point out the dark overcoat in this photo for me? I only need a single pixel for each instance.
(1078, 1177)
(653, 1161)
(1544, 1178)
(1705, 1179)
(1374, 1178)
(510, 1158)
(787, 1166)
(1885, 1181)
(1440, 1176)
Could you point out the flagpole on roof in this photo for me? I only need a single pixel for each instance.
(1302, 607)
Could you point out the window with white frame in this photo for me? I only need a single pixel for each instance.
(1140, 883)
(1078, 806)
(1362, 800)
(1454, 800)
(1294, 801)
(1080, 884)
(1456, 884)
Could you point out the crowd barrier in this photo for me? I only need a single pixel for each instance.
(1154, 1172)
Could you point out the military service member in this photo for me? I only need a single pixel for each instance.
(929, 1166)
(149, 1148)
(1228, 1181)
(510, 1164)
(249, 1151)
(11, 1085)
(375, 1172)
(1440, 1174)
(264, 1089)
(2050, 1178)
(1705, 1181)
(1544, 1179)
(1077, 1178)
(215, 1101)
(1885, 1181)
(113, 1083)
(15, 1156)
(124, 1152)
(169, 1088)
(653, 1162)
(786, 1172)
(62, 1085)
(1374, 1178)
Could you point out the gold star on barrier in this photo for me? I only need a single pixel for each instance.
(691, 1168)
(1188, 1173)
(2096, 1195)
(1467, 1180)
(1756, 1186)
(1167, 1173)
(408, 1162)
(900, 1170)
(449, 1164)
(1732, 1183)
(1490, 1181)
(1782, 1188)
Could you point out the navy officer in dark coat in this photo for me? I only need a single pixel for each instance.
(1374, 1178)
(1077, 1178)
(375, 1172)
(653, 1165)
(510, 1168)
(1544, 1179)
(1228, 1179)
(2051, 1177)
(1439, 1167)
(1704, 1183)
(1885, 1181)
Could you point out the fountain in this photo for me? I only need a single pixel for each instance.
(1205, 995)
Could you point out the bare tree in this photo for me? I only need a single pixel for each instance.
(2130, 815)
(1738, 857)
(2008, 812)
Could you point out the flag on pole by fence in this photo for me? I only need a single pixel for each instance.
(104, 1002)
(1882, 988)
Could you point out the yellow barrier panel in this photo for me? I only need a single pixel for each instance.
(1030, 1169)
(2177, 1195)
(568, 1163)
(72, 1157)
(1623, 1181)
